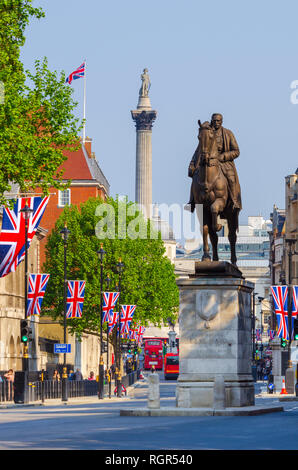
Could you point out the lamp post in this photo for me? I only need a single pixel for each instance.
(253, 325)
(260, 299)
(26, 211)
(290, 242)
(108, 281)
(101, 254)
(65, 234)
(120, 267)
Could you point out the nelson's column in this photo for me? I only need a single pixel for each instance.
(144, 117)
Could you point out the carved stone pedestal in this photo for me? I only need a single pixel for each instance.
(215, 337)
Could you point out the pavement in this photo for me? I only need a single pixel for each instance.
(170, 410)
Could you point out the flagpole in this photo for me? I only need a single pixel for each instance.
(84, 106)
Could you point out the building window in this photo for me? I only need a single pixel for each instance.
(64, 198)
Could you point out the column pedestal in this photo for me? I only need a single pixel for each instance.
(215, 337)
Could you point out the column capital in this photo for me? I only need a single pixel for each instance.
(143, 119)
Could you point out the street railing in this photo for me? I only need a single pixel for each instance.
(130, 379)
(51, 389)
(6, 390)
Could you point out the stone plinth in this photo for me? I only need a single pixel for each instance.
(215, 338)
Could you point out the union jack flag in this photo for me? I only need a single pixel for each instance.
(127, 312)
(137, 333)
(75, 298)
(112, 321)
(78, 73)
(295, 300)
(37, 284)
(132, 333)
(271, 334)
(280, 298)
(140, 333)
(12, 236)
(258, 334)
(109, 302)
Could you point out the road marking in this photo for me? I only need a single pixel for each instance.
(293, 409)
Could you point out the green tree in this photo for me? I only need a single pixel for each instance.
(147, 280)
(36, 109)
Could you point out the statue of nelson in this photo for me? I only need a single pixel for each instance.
(228, 150)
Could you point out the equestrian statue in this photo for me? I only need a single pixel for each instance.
(215, 184)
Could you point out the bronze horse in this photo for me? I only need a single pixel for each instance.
(210, 188)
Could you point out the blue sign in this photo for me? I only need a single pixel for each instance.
(62, 348)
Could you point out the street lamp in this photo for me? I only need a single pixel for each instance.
(26, 211)
(108, 282)
(64, 234)
(253, 326)
(290, 242)
(260, 299)
(101, 254)
(120, 267)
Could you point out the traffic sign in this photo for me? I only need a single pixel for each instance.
(62, 348)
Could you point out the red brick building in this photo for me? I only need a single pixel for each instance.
(87, 180)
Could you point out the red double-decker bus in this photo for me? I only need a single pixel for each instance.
(153, 353)
(171, 366)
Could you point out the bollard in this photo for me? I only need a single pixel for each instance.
(219, 393)
(153, 391)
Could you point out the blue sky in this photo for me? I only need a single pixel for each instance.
(232, 57)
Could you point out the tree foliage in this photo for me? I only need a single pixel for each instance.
(147, 279)
(36, 109)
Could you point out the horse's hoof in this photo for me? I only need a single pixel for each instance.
(206, 258)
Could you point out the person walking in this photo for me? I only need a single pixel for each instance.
(78, 375)
(56, 376)
(259, 371)
(9, 376)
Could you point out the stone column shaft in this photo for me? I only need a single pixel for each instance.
(143, 194)
(143, 187)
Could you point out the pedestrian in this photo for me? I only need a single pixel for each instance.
(78, 375)
(43, 375)
(104, 373)
(128, 366)
(113, 370)
(152, 369)
(56, 376)
(9, 376)
(91, 376)
(259, 371)
(71, 375)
